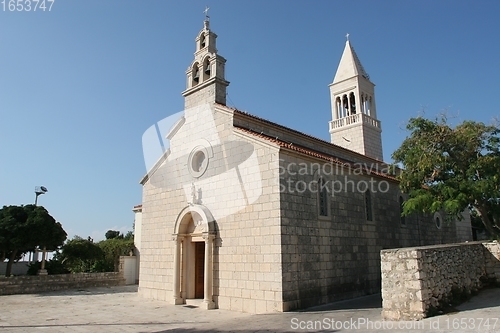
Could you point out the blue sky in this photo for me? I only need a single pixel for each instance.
(80, 84)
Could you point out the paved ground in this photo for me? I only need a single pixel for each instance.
(119, 309)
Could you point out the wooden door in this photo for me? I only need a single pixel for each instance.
(199, 272)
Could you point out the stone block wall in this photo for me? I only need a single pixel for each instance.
(247, 245)
(363, 138)
(275, 253)
(327, 258)
(42, 283)
(128, 266)
(492, 260)
(416, 281)
(336, 257)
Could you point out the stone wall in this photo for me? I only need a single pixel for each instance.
(128, 266)
(337, 256)
(492, 260)
(42, 283)
(247, 247)
(273, 250)
(417, 281)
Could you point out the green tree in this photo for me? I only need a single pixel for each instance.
(110, 234)
(451, 169)
(129, 235)
(79, 255)
(22, 228)
(113, 249)
(12, 220)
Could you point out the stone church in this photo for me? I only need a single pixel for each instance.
(244, 214)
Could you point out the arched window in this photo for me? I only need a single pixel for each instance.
(338, 107)
(352, 100)
(206, 69)
(438, 220)
(202, 41)
(401, 203)
(345, 106)
(368, 205)
(196, 74)
(323, 197)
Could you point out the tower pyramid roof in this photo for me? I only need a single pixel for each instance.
(349, 65)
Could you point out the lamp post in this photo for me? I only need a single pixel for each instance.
(39, 190)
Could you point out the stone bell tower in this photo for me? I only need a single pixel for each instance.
(354, 122)
(205, 75)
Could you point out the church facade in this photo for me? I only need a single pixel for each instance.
(244, 214)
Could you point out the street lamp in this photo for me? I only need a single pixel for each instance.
(38, 191)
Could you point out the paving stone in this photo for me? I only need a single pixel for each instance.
(120, 309)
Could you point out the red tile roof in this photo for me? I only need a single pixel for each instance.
(246, 114)
(282, 127)
(317, 154)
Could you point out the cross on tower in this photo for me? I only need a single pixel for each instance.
(347, 36)
(206, 13)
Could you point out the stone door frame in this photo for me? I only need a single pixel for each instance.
(204, 231)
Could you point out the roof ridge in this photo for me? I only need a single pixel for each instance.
(312, 152)
(245, 113)
(359, 64)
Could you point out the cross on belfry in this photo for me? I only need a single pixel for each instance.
(206, 12)
(347, 36)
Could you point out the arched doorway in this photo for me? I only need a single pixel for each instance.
(194, 235)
